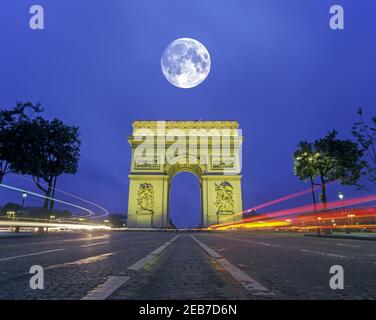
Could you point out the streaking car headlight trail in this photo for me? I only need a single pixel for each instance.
(90, 212)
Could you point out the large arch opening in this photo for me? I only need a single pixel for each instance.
(185, 200)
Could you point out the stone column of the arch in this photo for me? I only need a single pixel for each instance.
(160, 218)
(211, 216)
(204, 201)
(138, 218)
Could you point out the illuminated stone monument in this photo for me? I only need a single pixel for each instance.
(211, 150)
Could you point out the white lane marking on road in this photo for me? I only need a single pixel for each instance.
(244, 279)
(333, 255)
(268, 244)
(31, 254)
(84, 239)
(94, 244)
(81, 262)
(347, 245)
(52, 240)
(256, 242)
(141, 263)
(92, 259)
(113, 241)
(104, 290)
(208, 250)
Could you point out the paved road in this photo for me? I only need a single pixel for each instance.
(153, 265)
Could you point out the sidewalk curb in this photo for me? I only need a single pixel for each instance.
(337, 236)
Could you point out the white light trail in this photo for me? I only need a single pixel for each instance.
(45, 197)
(71, 226)
(71, 195)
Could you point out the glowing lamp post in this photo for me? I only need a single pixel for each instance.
(24, 196)
(340, 197)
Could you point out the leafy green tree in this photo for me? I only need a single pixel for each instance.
(329, 159)
(366, 136)
(53, 149)
(10, 137)
(337, 160)
(304, 165)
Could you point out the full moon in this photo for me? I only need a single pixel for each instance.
(185, 63)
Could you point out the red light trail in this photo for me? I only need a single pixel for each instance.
(310, 216)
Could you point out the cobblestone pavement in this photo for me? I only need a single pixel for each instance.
(289, 265)
(297, 267)
(74, 271)
(184, 271)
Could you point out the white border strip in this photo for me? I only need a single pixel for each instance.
(319, 253)
(142, 262)
(245, 280)
(31, 254)
(94, 244)
(104, 290)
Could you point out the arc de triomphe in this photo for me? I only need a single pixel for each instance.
(211, 150)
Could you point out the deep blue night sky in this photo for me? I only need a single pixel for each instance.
(277, 68)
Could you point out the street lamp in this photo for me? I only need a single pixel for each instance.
(340, 197)
(24, 196)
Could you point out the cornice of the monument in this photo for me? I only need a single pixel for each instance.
(186, 123)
